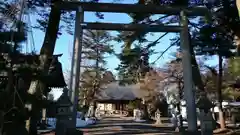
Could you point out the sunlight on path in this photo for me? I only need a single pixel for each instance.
(122, 126)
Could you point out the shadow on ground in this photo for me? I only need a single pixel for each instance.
(125, 126)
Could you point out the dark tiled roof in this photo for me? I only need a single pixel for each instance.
(55, 78)
(114, 91)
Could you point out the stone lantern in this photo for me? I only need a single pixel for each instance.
(204, 104)
(158, 117)
(207, 122)
(63, 113)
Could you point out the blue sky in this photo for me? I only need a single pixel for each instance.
(65, 41)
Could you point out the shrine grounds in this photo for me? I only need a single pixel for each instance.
(126, 126)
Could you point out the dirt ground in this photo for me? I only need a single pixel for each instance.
(126, 126)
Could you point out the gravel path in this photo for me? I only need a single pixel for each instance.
(125, 126)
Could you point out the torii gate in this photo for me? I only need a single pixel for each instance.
(81, 7)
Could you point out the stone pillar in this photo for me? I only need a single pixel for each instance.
(44, 114)
(137, 115)
(77, 63)
(206, 123)
(63, 114)
(189, 93)
(206, 119)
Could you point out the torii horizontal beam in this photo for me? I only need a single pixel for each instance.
(131, 27)
(132, 8)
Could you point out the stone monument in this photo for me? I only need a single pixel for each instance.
(174, 119)
(98, 113)
(138, 114)
(206, 119)
(158, 117)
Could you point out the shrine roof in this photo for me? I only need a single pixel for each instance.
(114, 91)
(26, 58)
(64, 100)
(55, 79)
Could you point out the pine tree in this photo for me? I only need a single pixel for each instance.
(48, 19)
(10, 40)
(134, 65)
(96, 45)
(130, 37)
(214, 40)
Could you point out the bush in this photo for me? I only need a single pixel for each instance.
(131, 106)
(83, 109)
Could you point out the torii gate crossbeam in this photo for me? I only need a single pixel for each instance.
(132, 8)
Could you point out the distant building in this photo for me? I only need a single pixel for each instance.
(116, 97)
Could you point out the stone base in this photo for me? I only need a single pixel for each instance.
(158, 123)
(139, 120)
(180, 130)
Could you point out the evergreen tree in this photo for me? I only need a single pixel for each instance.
(10, 46)
(12, 30)
(130, 37)
(214, 40)
(217, 37)
(48, 20)
(96, 45)
(134, 64)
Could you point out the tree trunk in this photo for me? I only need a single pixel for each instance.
(233, 24)
(238, 6)
(96, 84)
(197, 79)
(92, 105)
(219, 93)
(1, 121)
(179, 104)
(145, 110)
(37, 87)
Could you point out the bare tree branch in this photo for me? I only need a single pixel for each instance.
(134, 35)
(212, 69)
(165, 51)
(194, 25)
(156, 41)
